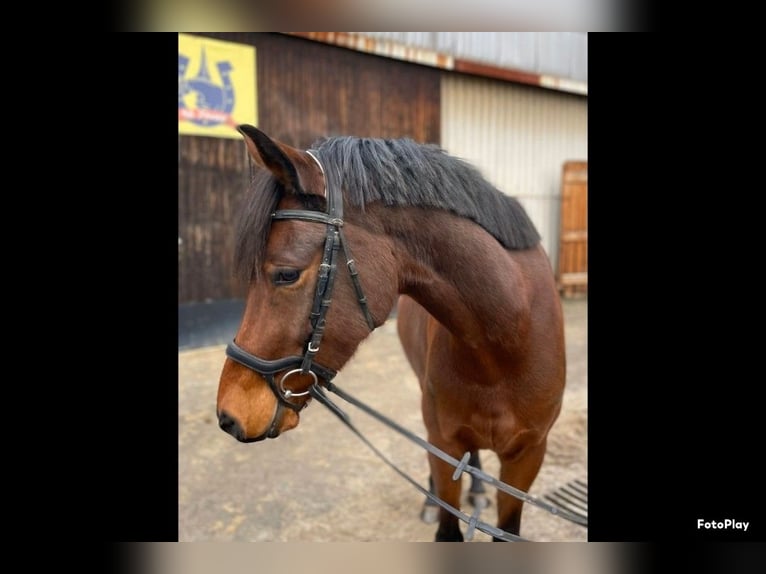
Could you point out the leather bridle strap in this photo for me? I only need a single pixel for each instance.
(334, 242)
(265, 367)
(360, 297)
(305, 215)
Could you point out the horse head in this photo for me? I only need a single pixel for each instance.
(307, 308)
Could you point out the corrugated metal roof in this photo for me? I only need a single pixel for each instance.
(560, 54)
(555, 60)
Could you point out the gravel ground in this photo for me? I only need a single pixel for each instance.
(320, 483)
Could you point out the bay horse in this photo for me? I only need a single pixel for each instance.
(479, 315)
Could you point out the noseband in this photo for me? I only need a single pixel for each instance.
(305, 365)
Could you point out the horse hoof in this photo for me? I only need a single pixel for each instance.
(429, 514)
(478, 500)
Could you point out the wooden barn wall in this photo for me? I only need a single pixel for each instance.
(212, 179)
(306, 90)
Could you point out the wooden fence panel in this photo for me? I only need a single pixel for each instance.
(573, 250)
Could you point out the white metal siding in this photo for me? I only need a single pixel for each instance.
(519, 137)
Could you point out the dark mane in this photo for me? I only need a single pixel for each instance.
(254, 224)
(397, 172)
(401, 172)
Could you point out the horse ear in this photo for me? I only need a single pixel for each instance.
(292, 167)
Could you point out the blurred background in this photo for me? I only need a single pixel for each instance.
(495, 15)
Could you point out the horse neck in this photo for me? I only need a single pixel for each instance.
(461, 275)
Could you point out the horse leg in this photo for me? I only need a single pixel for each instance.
(449, 491)
(519, 470)
(430, 512)
(477, 494)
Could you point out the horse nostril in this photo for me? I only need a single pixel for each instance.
(230, 425)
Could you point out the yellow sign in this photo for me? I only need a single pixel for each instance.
(216, 87)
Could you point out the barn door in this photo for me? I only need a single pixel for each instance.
(573, 249)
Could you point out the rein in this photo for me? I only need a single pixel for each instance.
(460, 466)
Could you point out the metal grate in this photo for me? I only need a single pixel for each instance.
(572, 497)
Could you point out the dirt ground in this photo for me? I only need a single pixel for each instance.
(320, 483)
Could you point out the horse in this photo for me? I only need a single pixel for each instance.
(478, 311)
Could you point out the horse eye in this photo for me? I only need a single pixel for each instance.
(286, 276)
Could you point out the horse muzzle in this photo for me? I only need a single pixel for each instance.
(278, 424)
(230, 425)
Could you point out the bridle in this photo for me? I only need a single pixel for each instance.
(305, 365)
